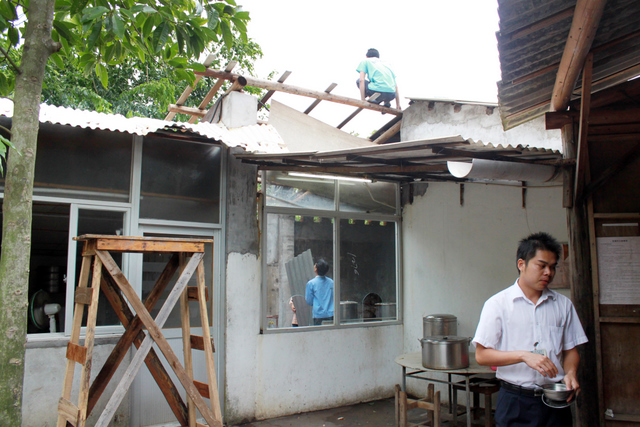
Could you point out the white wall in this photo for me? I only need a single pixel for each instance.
(455, 257)
(271, 375)
(44, 378)
(475, 122)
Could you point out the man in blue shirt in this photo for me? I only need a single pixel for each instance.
(377, 77)
(319, 294)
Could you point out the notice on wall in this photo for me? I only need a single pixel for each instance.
(619, 269)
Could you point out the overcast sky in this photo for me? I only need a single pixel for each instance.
(437, 49)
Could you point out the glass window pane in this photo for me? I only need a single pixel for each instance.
(370, 197)
(180, 181)
(292, 191)
(152, 266)
(367, 270)
(83, 163)
(100, 222)
(294, 244)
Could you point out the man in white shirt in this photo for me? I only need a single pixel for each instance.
(531, 333)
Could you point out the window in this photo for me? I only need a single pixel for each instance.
(353, 226)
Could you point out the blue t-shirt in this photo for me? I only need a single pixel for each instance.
(319, 294)
(381, 78)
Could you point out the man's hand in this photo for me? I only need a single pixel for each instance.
(540, 363)
(571, 382)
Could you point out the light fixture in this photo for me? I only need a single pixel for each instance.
(328, 177)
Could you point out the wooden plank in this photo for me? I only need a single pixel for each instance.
(582, 153)
(354, 171)
(355, 113)
(203, 389)
(133, 334)
(613, 170)
(270, 93)
(84, 295)
(90, 332)
(77, 353)
(155, 334)
(192, 292)
(68, 411)
(197, 343)
(295, 90)
(75, 334)
(150, 246)
(212, 92)
(315, 103)
(583, 29)
(187, 91)
(185, 323)
(208, 345)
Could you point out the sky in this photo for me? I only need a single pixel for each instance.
(437, 49)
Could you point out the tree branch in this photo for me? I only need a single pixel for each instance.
(6, 55)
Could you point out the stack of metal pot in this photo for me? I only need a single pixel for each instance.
(441, 347)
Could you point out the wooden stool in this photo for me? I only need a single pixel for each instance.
(431, 403)
(478, 386)
(101, 272)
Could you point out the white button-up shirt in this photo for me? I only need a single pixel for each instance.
(511, 322)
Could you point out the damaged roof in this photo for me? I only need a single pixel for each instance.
(402, 161)
(531, 44)
(259, 138)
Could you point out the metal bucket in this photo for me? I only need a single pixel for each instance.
(348, 310)
(444, 352)
(439, 324)
(386, 310)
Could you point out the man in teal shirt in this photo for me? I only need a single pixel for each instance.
(377, 77)
(319, 294)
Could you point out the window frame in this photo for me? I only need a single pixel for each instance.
(337, 216)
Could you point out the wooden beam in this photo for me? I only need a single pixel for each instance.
(315, 103)
(612, 171)
(582, 153)
(174, 108)
(558, 119)
(187, 91)
(270, 93)
(295, 90)
(212, 92)
(388, 134)
(351, 170)
(586, 19)
(540, 25)
(358, 110)
(487, 155)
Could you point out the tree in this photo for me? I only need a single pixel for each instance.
(138, 88)
(101, 33)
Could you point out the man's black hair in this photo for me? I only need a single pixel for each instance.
(322, 267)
(373, 53)
(529, 246)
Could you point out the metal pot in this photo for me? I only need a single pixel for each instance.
(348, 310)
(555, 395)
(439, 324)
(386, 310)
(445, 352)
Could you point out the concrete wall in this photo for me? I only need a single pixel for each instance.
(44, 376)
(270, 375)
(430, 119)
(456, 257)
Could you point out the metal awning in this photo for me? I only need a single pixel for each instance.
(420, 160)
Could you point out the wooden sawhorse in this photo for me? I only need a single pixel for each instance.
(107, 276)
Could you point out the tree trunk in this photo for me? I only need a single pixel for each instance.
(16, 226)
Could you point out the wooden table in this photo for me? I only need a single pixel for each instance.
(412, 368)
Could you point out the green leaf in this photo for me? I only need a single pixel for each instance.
(199, 8)
(103, 75)
(127, 13)
(243, 15)
(8, 11)
(64, 29)
(95, 34)
(214, 18)
(148, 9)
(196, 66)
(231, 2)
(227, 36)
(160, 35)
(14, 36)
(240, 25)
(186, 75)
(118, 26)
(147, 27)
(57, 59)
(93, 13)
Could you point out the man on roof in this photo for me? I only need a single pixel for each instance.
(377, 77)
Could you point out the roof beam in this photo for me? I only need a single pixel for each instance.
(358, 110)
(582, 153)
(187, 91)
(315, 103)
(212, 92)
(270, 93)
(269, 85)
(586, 19)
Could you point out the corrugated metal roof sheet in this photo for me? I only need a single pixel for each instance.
(531, 42)
(401, 161)
(259, 138)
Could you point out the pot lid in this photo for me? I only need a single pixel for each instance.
(440, 318)
(348, 302)
(445, 339)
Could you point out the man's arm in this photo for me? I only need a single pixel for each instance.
(398, 99)
(570, 365)
(491, 357)
(362, 78)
